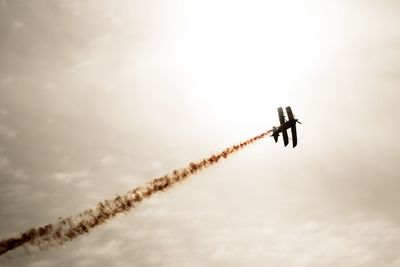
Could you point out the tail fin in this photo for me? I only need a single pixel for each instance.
(275, 134)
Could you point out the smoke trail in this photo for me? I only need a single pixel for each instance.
(71, 227)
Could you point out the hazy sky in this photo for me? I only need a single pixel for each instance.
(97, 97)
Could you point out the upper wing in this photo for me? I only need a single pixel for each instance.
(289, 113)
(281, 115)
(282, 121)
(293, 128)
(294, 135)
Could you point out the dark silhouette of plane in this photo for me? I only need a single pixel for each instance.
(285, 125)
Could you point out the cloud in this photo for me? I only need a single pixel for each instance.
(101, 40)
(3, 112)
(38, 195)
(6, 132)
(107, 159)
(39, 47)
(127, 179)
(111, 248)
(67, 177)
(20, 175)
(76, 6)
(42, 263)
(84, 183)
(4, 162)
(50, 86)
(6, 80)
(116, 22)
(86, 262)
(4, 3)
(15, 190)
(314, 243)
(77, 68)
(156, 165)
(113, 20)
(363, 243)
(18, 24)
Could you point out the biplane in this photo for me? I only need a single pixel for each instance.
(285, 125)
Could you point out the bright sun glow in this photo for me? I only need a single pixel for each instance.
(264, 48)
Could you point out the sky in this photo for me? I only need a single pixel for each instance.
(98, 97)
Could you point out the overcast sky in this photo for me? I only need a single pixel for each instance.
(98, 97)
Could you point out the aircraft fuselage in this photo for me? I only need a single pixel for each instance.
(287, 125)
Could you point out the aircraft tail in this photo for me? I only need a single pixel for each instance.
(275, 134)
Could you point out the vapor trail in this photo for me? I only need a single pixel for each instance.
(71, 227)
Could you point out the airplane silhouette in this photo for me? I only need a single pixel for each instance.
(285, 125)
